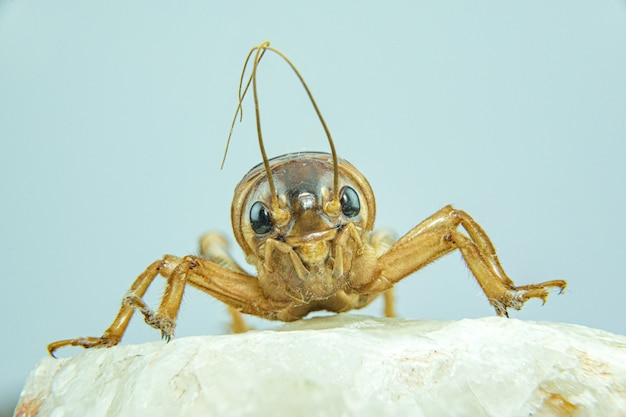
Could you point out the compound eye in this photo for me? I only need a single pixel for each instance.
(350, 205)
(260, 218)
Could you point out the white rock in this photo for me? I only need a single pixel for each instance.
(346, 365)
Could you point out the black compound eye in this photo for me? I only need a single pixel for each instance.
(350, 205)
(260, 219)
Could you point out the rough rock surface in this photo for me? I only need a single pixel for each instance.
(346, 365)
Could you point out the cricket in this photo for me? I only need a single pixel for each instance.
(305, 222)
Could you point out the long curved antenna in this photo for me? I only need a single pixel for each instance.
(239, 111)
(259, 52)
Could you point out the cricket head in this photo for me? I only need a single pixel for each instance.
(293, 233)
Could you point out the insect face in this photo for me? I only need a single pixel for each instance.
(304, 187)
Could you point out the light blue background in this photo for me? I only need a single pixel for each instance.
(113, 120)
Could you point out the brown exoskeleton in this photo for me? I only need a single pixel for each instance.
(305, 221)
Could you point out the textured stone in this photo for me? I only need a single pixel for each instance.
(346, 365)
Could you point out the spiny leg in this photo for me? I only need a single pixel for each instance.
(213, 247)
(241, 291)
(483, 252)
(113, 334)
(174, 270)
(439, 235)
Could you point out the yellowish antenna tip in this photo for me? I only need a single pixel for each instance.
(242, 91)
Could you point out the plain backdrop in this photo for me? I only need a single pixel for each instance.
(114, 116)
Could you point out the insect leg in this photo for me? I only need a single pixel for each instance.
(213, 247)
(113, 334)
(439, 235)
(381, 241)
(236, 289)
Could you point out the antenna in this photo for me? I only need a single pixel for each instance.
(259, 52)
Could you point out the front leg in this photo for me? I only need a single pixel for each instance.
(439, 235)
(113, 334)
(239, 290)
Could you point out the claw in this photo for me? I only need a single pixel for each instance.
(164, 324)
(154, 319)
(517, 296)
(500, 307)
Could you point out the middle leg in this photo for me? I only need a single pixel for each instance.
(213, 248)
